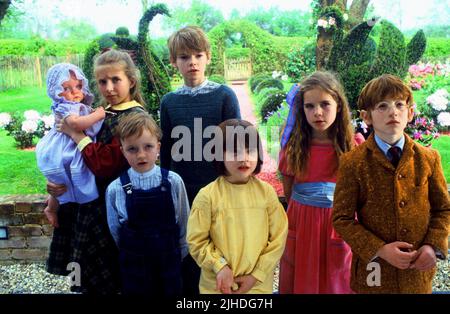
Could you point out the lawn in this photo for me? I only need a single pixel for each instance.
(27, 98)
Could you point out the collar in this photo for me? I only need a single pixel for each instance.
(124, 106)
(385, 146)
(147, 174)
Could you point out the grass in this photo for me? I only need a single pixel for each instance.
(442, 144)
(27, 98)
(18, 169)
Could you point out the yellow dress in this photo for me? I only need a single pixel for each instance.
(243, 226)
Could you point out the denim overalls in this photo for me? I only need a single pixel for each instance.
(150, 258)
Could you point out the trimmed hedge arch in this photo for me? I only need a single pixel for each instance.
(263, 53)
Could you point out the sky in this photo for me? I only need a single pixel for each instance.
(107, 15)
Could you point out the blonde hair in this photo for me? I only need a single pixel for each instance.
(383, 87)
(121, 59)
(188, 39)
(340, 132)
(134, 124)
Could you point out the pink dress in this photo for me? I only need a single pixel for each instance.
(316, 259)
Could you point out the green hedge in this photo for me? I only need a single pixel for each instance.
(22, 47)
(437, 48)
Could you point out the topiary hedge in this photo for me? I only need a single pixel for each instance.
(416, 48)
(271, 104)
(256, 79)
(270, 82)
(155, 79)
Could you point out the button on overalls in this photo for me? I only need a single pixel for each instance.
(150, 258)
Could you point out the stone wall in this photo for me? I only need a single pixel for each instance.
(28, 229)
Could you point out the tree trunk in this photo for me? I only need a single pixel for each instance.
(357, 11)
(4, 4)
(324, 39)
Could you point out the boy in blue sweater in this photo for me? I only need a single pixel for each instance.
(198, 103)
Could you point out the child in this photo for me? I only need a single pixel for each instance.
(207, 102)
(83, 235)
(316, 259)
(400, 200)
(146, 203)
(56, 154)
(237, 228)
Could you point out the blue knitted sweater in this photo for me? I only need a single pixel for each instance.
(180, 110)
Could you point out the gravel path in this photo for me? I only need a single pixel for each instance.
(33, 279)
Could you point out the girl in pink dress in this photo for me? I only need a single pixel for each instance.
(316, 259)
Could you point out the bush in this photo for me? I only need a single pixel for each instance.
(237, 53)
(35, 47)
(269, 83)
(301, 61)
(256, 79)
(122, 31)
(263, 95)
(438, 49)
(271, 104)
(416, 48)
(217, 78)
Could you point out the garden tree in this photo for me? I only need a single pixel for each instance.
(4, 5)
(198, 13)
(263, 53)
(155, 80)
(76, 29)
(281, 23)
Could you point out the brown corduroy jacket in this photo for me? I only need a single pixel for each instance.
(410, 204)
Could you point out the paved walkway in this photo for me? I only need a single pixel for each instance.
(241, 90)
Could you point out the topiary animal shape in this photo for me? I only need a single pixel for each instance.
(154, 76)
(357, 59)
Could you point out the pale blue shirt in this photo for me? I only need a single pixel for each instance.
(385, 146)
(204, 88)
(116, 201)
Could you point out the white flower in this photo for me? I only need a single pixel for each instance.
(332, 21)
(31, 115)
(5, 119)
(345, 16)
(284, 77)
(29, 126)
(276, 74)
(438, 102)
(444, 118)
(441, 92)
(322, 23)
(49, 121)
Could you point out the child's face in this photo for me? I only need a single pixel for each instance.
(389, 118)
(72, 89)
(240, 165)
(192, 66)
(114, 84)
(141, 151)
(320, 111)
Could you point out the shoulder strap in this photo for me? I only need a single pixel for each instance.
(127, 187)
(165, 177)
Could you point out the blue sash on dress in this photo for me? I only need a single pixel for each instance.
(317, 194)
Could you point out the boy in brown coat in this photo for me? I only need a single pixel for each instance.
(395, 217)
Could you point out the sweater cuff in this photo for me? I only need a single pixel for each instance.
(219, 264)
(83, 143)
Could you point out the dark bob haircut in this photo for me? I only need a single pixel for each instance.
(235, 133)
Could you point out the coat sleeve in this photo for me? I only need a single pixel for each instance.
(105, 160)
(438, 228)
(362, 241)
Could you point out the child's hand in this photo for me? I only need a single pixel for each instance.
(100, 111)
(52, 216)
(398, 254)
(56, 190)
(425, 259)
(245, 283)
(224, 280)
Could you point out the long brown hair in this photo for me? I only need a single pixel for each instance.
(340, 132)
